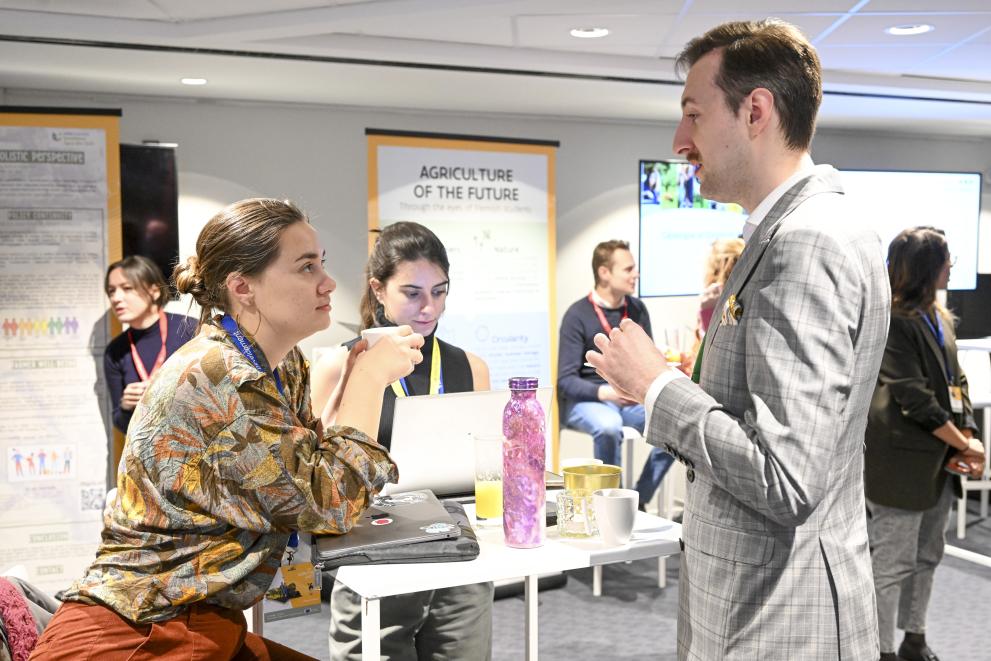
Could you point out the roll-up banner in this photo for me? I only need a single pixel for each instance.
(492, 203)
(59, 228)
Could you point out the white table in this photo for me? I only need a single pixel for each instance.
(979, 400)
(653, 537)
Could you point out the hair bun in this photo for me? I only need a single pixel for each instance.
(187, 278)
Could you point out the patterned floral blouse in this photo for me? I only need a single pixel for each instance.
(216, 471)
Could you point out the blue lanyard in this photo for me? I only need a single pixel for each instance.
(242, 343)
(937, 331)
(244, 346)
(440, 388)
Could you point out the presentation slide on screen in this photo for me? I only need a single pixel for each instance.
(678, 225)
(950, 201)
(677, 228)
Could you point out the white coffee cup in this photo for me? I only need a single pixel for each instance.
(373, 335)
(615, 512)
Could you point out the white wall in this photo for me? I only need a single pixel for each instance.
(317, 157)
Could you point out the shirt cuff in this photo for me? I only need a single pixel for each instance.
(654, 391)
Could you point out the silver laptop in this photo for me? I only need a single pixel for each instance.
(431, 440)
(396, 520)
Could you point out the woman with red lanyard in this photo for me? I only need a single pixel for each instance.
(138, 294)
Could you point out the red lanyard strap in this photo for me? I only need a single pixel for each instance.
(139, 365)
(602, 317)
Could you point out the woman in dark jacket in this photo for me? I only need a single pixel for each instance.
(920, 419)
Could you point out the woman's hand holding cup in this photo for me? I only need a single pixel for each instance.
(378, 361)
(393, 358)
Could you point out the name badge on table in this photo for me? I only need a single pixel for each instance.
(956, 399)
(295, 591)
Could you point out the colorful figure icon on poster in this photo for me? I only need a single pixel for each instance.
(40, 462)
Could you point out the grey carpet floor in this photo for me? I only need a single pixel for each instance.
(633, 619)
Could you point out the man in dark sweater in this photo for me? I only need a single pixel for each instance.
(588, 403)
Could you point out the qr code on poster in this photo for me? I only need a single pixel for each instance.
(91, 498)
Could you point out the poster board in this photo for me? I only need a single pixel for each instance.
(491, 201)
(59, 228)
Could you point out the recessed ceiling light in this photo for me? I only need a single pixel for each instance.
(193, 81)
(589, 33)
(909, 29)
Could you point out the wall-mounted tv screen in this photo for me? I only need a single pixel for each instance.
(895, 200)
(678, 225)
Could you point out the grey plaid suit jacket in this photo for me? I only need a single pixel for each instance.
(776, 562)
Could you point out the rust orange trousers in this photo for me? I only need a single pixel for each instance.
(95, 633)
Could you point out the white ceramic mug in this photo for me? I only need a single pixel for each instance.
(373, 335)
(615, 513)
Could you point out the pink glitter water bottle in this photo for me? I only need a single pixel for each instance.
(523, 455)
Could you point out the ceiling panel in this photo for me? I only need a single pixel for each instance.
(983, 38)
(486, 31)
(970, 61)
(909, 6)
(890, 60)
(110, 8)
(586, 7)
(190, 10)
(628, 35)
(770, 7)
(508, 35)
(870, 29)
(693, 25)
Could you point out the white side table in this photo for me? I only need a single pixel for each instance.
(980, 398)
(653, 537)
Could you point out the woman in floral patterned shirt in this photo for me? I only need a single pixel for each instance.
(224, 458)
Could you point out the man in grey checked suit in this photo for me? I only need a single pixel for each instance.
(775, 559)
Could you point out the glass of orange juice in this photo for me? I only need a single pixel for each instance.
(488, 478)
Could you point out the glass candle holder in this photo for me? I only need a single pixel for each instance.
(575, 515)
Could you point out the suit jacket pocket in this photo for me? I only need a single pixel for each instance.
(750, 548)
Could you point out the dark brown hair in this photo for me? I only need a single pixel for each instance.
(397, 243)
(142, 274)
(602, 255)
(241, 238)
(770, 54)
(915, 259)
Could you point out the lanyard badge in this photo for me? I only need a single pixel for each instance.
(295, 589)
(401, 388)
(956, 393)
(139, 365)
(956, 399)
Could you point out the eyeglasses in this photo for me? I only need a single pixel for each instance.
(951, 260)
